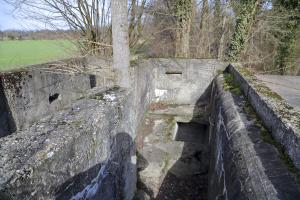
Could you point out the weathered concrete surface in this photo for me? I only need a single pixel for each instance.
(243, 165)
(164, 164)
(87, 150)
(35, 92)
(32, 95)
(280, 119)
(168, 168)
(73, 152)
(181, 81)
(7, 123)
(287, 86)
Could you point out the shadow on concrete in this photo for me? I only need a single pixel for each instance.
(187, 179)
(7, 123)
(107, 180)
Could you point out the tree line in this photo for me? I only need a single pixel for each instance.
(262, 34)
(38, 35)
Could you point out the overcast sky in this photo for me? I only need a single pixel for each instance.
(9, 19)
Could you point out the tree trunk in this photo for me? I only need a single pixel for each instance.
(121, 53)
(139, 20)
(244, 22)
(221, 43)
(286, 49)
(203, 48)
(183, 10)
(285, 54)
(204, 14)
(132, 23)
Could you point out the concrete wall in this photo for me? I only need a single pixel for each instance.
(83, 147)
(182, 81)
(39, 90)
(87, 149)
(243, 165)
(7, 123)
(74, 153)
(277, 116)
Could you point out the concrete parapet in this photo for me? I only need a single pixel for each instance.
(281, 120)
(243, 165)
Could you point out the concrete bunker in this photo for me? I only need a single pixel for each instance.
(184, 135)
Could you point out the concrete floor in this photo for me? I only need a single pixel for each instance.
(172, 159)
(286, 86)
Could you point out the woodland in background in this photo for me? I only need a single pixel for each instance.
(38, 35)
(263, 35)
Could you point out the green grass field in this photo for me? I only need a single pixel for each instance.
(16, 54)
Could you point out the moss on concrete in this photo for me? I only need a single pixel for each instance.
(230, 85)
(220, 71)
(279, 105)
(261, 88)
(246, 73)
(167, 132)
(268, 138)
(98, 96)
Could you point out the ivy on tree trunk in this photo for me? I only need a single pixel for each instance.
(287, 40)
(183, 11)
(244, 21)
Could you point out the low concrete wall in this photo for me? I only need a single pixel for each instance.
(243, 165)
(85, 151)
(73, 153)
(40, 90)
(277, 116)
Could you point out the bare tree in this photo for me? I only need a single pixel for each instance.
(204, 14)
(90, 17)
(183, 12)
(135, 25)
(121, 53)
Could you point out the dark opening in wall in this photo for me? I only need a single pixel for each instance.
(174, 72)
(191, 132)
(53, 97)
(92, 81)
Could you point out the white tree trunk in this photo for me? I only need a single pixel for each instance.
(121, 53)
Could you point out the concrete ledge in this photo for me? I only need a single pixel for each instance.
(73, 152)
(280, 119)
(243, 166)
